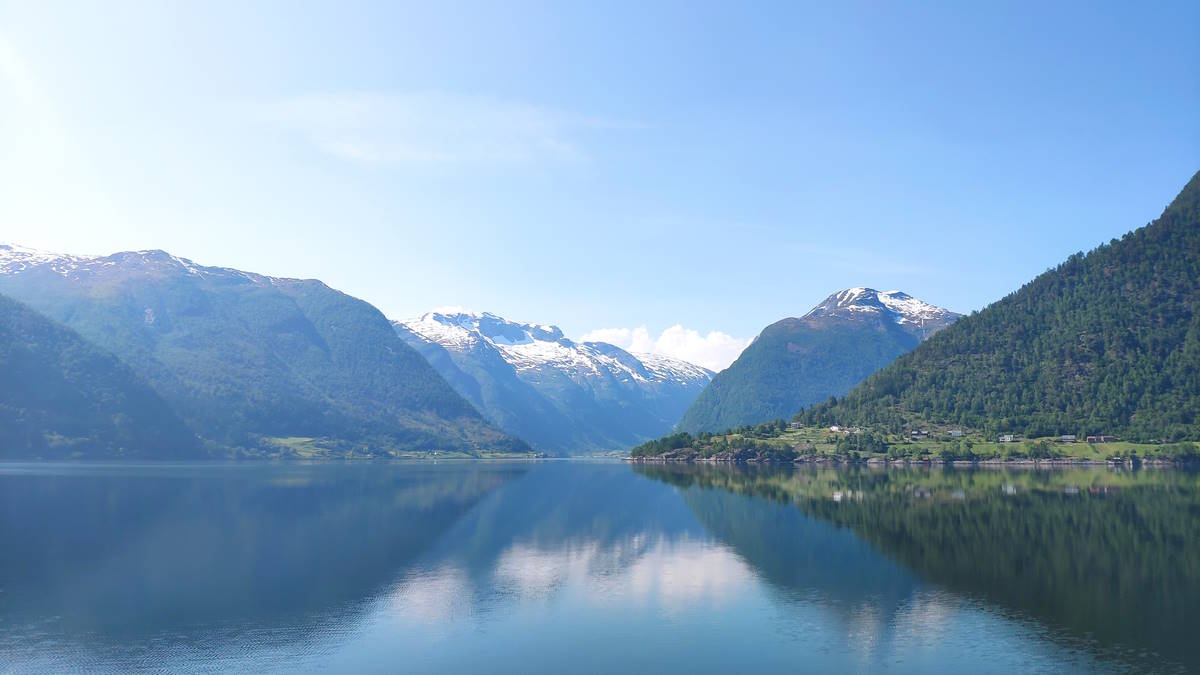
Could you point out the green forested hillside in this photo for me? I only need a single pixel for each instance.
(257, 362)
(1107, 342)
(63, 397)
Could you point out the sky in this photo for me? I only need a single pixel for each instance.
(669, 176)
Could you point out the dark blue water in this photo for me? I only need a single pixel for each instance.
(594, 567)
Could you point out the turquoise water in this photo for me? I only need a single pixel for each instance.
(594, 567)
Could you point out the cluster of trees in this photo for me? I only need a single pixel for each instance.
(755, 439)
(1107, 342)
(964, 449)
(665, 444)
(860, 443)
(770, 429)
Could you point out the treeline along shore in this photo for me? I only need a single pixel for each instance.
(782, 443)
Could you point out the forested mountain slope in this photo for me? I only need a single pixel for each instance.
(62, 397)
(1107, 342)
(799, 361)
(250, 360)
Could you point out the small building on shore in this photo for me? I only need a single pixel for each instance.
(1068, 438)
(1101, 438)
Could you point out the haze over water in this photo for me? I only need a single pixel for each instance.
(594, 567)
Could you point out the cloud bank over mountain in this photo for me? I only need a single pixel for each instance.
(714, 350)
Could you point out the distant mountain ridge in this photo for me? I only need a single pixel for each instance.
(249, 359)
(1105, 343)
(560, 395)
(796, 362)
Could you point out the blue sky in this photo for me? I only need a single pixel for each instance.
(711, 168)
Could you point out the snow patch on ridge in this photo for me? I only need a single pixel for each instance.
(15, 259)
(532, 348)
(896, 305)
(666, 367)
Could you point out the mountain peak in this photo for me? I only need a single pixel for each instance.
(496, 329)
(796, 362)
(896, 306)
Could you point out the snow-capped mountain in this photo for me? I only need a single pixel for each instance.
(247, 359)
(15, 258)
(796, 362)
(560, 395)
(915, 316)
(18, 260)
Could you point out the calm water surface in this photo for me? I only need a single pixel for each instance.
(595, 567)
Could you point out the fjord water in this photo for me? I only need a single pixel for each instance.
(595, 567)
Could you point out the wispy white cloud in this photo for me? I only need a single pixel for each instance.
(434, 128)
(714, 350)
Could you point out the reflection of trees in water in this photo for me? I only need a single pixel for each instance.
(141, 553)
(1103, 555)
(809, 559)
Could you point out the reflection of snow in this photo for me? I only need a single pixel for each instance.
(864, 629)
(637, 571)
(433, 595)
(926, 618)
(543, 605)
(533, 573)
(688, 573)
(669, 574)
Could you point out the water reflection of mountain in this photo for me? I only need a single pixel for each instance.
(565, 505)
(806, 557)
(230, 566)
(132, 553)
(1106, 558)
(591, 524)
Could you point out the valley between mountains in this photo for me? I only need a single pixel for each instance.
(149, 355)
